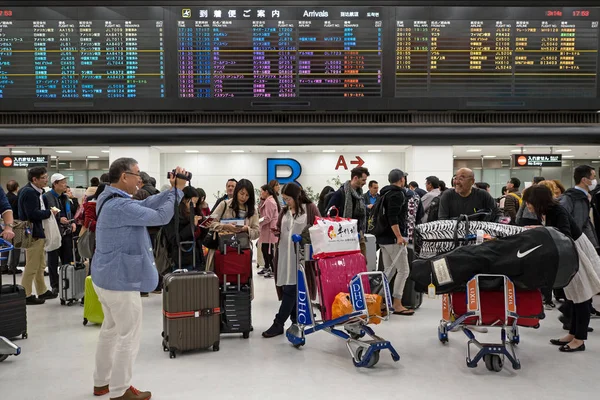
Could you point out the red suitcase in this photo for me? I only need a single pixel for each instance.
(234, 262)
(529, 304)
(333, 275)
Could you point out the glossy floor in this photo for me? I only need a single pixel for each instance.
(57, 362)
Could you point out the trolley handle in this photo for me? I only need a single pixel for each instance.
(5, 245)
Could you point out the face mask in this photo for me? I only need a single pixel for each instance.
(593, 185)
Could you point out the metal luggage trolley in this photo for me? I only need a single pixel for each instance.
(365, 353)
(7, 348)
(493, 354)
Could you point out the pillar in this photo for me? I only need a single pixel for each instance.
(424, 161)
(147, 157)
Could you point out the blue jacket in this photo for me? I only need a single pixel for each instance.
(5, 204)
(30, 210)
(123, 260)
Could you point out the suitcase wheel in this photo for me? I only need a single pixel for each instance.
(493, 362)
(172, 354)
(216, 346)
(62, 302)
(246, 335)
(85, 321)
(24, 335)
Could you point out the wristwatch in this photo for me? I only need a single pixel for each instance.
(10, 225)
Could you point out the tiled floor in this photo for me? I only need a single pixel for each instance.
(57, 362)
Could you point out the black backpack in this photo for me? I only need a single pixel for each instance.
(378, 221)
(434, 209)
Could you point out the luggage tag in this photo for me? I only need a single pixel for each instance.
(431, 289)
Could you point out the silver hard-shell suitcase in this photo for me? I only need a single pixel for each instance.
(71, 280)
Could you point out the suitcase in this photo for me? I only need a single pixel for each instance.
(233, 262)
(13, 311)
(71, 280)
(191, 311)
(92, 309)
(333, 275)
(236, 308)
(529, 304)
(371, 244)
(410, 297)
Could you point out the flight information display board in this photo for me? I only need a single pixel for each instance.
(280, 52)
(82, 53)
(496, 52)
(297, 57)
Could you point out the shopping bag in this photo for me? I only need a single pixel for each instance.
(334, 236)
(52, 233)
(342, 305)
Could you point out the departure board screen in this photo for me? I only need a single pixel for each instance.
(298, 56)
(82, 53)
(497, 52)
(280, 52)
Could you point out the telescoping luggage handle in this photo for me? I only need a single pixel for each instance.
(192, 245)
(6, 246)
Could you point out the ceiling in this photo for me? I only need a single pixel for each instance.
(76, 153)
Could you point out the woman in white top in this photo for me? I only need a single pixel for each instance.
(296, 216)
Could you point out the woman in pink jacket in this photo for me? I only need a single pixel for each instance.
(269, 212)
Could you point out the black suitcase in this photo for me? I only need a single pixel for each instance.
(410, 297)
(236, 308)
(13, 311)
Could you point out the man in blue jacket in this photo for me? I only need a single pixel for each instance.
(123, 267)
(32, 208)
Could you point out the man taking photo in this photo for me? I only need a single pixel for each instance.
(124, 267)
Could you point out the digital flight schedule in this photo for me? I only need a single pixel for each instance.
(282, 52)
(314, 57)
(82, 53)
(496, 52)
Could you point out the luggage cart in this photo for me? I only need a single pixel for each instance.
(7, 348)
(365, 353)
(493, 354)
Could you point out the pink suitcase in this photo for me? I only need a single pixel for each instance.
(333, 276)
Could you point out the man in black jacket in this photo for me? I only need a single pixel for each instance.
(58, 198)
(10, 265)
(392, 240)
(32, 208)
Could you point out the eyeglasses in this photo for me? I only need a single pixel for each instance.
(131, 173)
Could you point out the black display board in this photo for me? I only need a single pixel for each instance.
(250, 57)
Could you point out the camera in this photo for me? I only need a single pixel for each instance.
(187, 176)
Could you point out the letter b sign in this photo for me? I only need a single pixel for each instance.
(284, 170)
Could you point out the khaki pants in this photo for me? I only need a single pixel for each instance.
(395, 262)
(34, 268)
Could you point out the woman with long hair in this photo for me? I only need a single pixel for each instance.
(268, 210)
(324, 199)
(202, 207)
(585, 284)
(274, 183)
(295, 219)
(242, 205)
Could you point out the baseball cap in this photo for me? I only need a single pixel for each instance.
(57, 177)
(395, 175)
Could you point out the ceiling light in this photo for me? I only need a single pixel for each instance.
(474, 151)
(568, 156)
(563, 150)
(192, 151)
(53, 157)
(489, 156)
(518, 151)
(283, 151)
(19, 152)
(237, 151)
(374, 151)
(328, 151)
(106, 151)
(64, 151)
(93, 157)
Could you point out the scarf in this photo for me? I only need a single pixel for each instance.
(355, 209)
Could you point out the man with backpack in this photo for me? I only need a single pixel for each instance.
(513, 199)
(390, 229)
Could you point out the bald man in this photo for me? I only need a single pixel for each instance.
(465, 199)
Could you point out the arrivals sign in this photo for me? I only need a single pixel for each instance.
(537, 160)
(25, 161)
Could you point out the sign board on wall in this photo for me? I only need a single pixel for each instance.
(537, 160)
(284, 170)
(25, 161)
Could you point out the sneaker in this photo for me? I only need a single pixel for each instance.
(101, 390)
(48, 295)
(594, 313)
(144, 294)
(159, 291)
(32, 301)
(549, 305)
(264, 271)
(275, 330)
(133, 394)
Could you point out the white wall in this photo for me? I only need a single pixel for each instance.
(211, 171)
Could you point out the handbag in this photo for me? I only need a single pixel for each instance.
(211, 241)
(52, 233)
(23, 231)
(239, 241)
(86, 245)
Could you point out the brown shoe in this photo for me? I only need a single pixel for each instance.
(100, 390)
(133, 394)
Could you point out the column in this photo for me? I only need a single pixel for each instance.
(148, 159)
(424, 161)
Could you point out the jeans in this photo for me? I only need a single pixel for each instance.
(287, 309)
